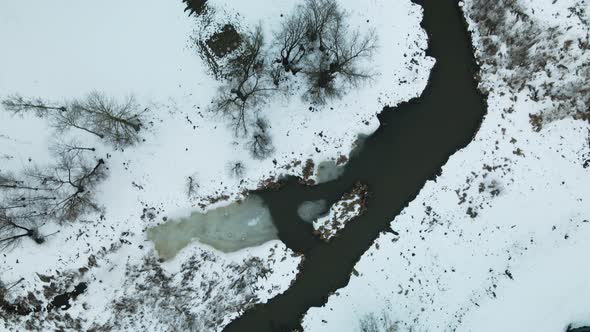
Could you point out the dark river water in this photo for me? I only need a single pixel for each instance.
(414, 140)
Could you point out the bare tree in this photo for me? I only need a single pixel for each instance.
(302, 33)
(62, 117)
(19, 105)
(62, 146)
(11, 232)
(118, 122)
(72, 118)
(72, 181)
(260, 142)
(236, 169)
(330, 73)
(346, 49)
(321, 15)
(291, 41)
(97, 114)
(61, 192)
(378, 323)
(247, 84)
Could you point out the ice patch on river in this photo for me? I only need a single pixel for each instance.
(311, 210)
(227, 229)
(328, 171)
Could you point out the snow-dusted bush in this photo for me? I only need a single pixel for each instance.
(191, 186)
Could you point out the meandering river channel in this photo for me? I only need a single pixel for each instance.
(414, 141)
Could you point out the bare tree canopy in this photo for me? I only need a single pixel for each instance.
(60, 192)
(247, 84)
(118, 122)
(12, 233)
(317, 40)
(337, 66)
(17, 104)
(321, 16)
(291, 42)
(61, 146)
(97, 114)
(260, 142)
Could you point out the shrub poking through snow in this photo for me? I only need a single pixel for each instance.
(237, 169)
(528, 54)
(378, 323)
(260, 142)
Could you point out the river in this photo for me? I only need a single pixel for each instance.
(414, 141)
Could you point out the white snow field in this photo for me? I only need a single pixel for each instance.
(65, 49)
(499, 242)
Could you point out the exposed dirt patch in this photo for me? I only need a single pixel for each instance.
(307, 173)
(224, 41)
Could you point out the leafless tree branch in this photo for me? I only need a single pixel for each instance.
(60, 192)
(291, 41)
(320, 16)
(97, 114)
(260, 141)
(247, 85)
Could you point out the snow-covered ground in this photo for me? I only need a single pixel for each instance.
(65, 49)
(499, 241)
